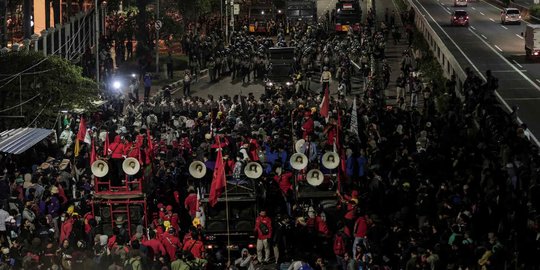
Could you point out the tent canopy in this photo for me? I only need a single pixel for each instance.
(16, 141)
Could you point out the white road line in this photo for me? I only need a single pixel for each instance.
(473, 8)
(482, 13)
(522, 99)
(480, 73)
(519, 36)
(491, 19)
(509, 70)
(538, 80)
(504, 27)
(472, 27)
(498, 48)
(484, 37)
(517, 63)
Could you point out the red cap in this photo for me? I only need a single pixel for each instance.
(354, 194)
(159, 205)
(169, 208)
(307, 114)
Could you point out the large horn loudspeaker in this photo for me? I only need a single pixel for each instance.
(298, 145)
(197, 169)
(100, 168)
(131, 166)
(253, 170)
(315, 177)
(299, 161)
(330, 160)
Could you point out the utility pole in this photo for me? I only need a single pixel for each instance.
(157, 39)
(232, 16)
(226, 22)
(96, 10)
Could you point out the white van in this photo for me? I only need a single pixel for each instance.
(460, 3)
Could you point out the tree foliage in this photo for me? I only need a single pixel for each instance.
(52, 85)
(192, 9)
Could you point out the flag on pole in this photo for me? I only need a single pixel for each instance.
(218, 181)
(81, 134)
(88, 136)
(106, 145)
(354, 120)
(325, 105)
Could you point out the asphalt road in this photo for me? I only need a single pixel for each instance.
(487, 44)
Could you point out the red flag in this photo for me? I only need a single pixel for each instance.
(93, 153)
(325, 104)
(81, 134)
(106, 145)
(218, 181)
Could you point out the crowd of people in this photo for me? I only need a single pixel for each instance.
(453, 188)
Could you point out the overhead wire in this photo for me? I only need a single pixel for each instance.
(42, 60)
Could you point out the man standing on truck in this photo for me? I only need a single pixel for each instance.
(263, 229)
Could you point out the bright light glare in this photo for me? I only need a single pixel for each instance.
(133, 75)
(116, 85)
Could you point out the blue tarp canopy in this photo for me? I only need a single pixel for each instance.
(16, 141)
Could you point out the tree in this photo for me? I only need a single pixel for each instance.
(51, 85)
(191, 9)
(142, 30)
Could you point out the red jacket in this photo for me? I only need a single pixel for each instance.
(308, 127)
(66, 229)
(190, 203)
(284, 181)
(263, 220)
(360, 227)
(156, 246)
(171, 244)
(196, 247)
(117, 148)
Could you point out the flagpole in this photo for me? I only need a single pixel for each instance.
(226, 210)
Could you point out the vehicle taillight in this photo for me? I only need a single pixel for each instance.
(467, 17)
(209, 247)
(251, 246)
(535, 53)
(455, 17)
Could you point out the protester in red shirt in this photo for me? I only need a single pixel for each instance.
(263, 229)
(308, 125)
(190, 203)
(156, 247)
(194, 246)
(360, 230)
(171, 243)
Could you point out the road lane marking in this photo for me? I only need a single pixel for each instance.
(498, 48)
(499, 97)
(522, 99)
(491, 19)
(509, 70)
(482, 13)
(517, 63)
(538, 80)
(472, 27)
(519, 36)
(504, 27)
(484, 37)
(474, 8)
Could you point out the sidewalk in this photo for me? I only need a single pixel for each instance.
(394, 52)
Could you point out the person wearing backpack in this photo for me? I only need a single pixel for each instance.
(263, 230)
(134, 262)
(340, 248)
